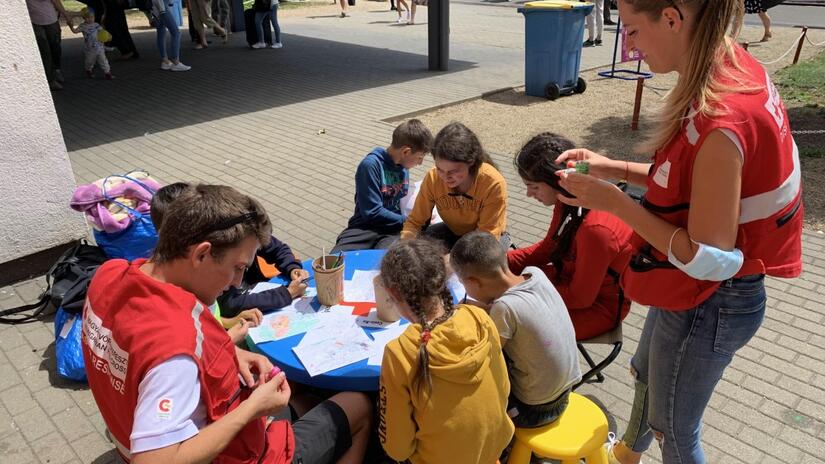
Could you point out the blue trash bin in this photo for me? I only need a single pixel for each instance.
(554, 30)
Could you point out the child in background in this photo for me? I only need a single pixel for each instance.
(535, 329)
(244, 318)
(93, 50)
(444, 383)
(381, 182)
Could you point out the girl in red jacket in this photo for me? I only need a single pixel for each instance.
(584, 251)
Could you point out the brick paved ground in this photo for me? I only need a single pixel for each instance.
(251, 119)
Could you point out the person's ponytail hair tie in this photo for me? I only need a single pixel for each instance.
(425, 337)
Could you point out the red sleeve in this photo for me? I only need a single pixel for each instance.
(596, 247)
(537, 254)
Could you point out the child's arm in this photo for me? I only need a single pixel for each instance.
(237, 332)
(71, 25)
(275, 298)
(396, 427)
(595, 249)
(537, 254)
(279, 254)
(370, 202)
(422, 210)
(253, 316)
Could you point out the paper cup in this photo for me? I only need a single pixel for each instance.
(384, 307)
(330, 281)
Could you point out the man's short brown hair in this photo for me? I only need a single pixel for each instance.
(216, 214)
(413, 134)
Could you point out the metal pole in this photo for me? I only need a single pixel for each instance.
(438, 30)
(637, 106)
(799, 47)
(616, 45)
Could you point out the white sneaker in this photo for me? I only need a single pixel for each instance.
(611, 443)
(166, 66)
(277, 45)
(259, 45)
(401, 21)
(180, 67)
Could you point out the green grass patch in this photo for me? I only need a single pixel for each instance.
(804, 82)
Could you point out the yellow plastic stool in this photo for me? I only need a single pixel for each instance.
(579, 433)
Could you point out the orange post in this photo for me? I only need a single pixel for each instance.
(637, 106)
(799, 46)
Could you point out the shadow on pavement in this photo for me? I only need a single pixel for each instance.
(225, 80)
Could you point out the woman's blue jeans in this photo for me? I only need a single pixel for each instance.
(680, 359)
(272, 16)
(167, 21)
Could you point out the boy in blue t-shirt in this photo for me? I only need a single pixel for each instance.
(381, 181)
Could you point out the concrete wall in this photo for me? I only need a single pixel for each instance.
(37, 180)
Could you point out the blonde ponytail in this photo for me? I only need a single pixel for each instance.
(706, 79)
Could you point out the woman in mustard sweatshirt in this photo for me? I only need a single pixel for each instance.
(444, 383)
(464, 186)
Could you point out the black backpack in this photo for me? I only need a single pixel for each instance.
(66, 285)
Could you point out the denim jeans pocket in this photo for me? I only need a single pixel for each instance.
(736, 326)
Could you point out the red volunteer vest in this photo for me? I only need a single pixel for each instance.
(131, 323)
(770, 222)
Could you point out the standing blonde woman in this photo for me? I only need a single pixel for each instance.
(722, 210)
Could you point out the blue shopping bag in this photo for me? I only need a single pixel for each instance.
(67, 345)
(136, 241)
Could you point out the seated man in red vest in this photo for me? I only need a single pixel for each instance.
(169, 382)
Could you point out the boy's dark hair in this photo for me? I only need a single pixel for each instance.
(456, 142)
(478, 254)
(413, 134)
(216, 214)
(536, 162)
(416, 269)
(163, 198)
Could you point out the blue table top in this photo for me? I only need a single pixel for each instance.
(355, 377)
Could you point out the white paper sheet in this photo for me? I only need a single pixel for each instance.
(380, 340)
(338, 347)
(371, 321)
(456, 287)
(360, 288)
(264, 286)
(329, 325)
(283, 324)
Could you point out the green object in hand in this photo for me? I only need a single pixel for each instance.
(583, 167)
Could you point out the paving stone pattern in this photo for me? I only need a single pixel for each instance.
(252, 120)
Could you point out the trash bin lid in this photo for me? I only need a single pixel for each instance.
(556, 5)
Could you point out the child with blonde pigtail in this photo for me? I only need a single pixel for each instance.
(444, 383)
